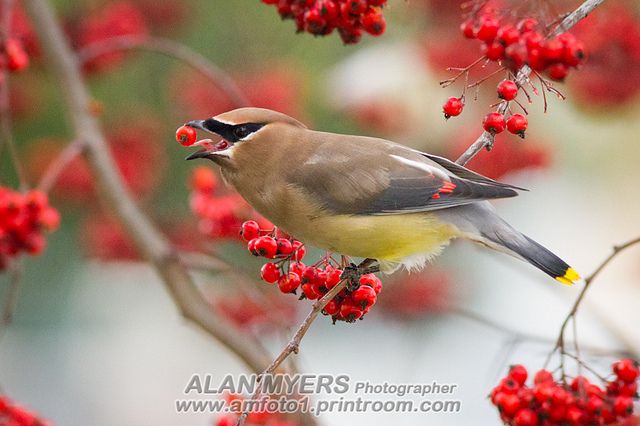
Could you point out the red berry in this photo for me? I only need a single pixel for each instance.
(494, 123)
(49, 219)
(204, 180)
(542, 376)
(518, 373)
(468, 29)
(270, 272)
(297, 267)
(594, 405)
(552, 50)
(580, 384)
(493, 51)
(333, 277)
(488, 28)
(527, 25)
(507, 90)
(298, 251)
(186, 135)
(533, 40)
(364, 296)
(331, 308)
(453, 107)
(517, 124)
(371, 281)
(266, 246)
(311, 291)
(17, 58)
(250, 230)
(558, 72)
(289, 283)
(626, 370)
(309, 275)
(526, 417)
(623, 406)
(349, 311)
(508, 35)
(373, 22)
(285, 248)
(516, 55)
(510, 405)
(575, 416)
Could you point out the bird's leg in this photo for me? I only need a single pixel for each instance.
(353, 272)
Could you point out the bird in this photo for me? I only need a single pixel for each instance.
(362, 196)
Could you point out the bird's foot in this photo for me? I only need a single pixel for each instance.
(353, 272)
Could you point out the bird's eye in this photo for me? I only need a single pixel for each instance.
(241, 132)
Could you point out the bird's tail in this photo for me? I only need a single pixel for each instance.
(482, 225)
(532, 252)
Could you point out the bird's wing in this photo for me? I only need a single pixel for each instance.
(377, 177)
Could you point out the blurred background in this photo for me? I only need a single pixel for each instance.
(97, 340)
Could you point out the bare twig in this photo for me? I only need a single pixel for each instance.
(486, 139)
(560, 342)
(152, 244)
(57, 166)
(172, 49)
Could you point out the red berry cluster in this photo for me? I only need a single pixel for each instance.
(15, 415)
(321, 17)
(254, 417)
(23, 218)
(549, 402)
(13, 55)
(221, 216)
(524, 44)
(494, 122)
(314, 281)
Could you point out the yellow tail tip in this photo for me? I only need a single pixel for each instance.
(569, 277)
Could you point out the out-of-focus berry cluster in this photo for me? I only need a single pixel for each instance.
(524, 43)
(13, 55)
(220, 215)
(24, 218)
(321, 17)
(313, 281)
(552, 402)
(12, 414)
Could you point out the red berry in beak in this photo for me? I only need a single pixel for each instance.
(186, 135)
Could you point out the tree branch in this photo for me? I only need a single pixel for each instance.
(486, 139)
(560, 342)
(172, 49)
(151, 243)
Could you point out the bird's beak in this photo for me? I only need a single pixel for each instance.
(202, 153)
(209, 149)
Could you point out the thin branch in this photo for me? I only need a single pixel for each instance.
(486, 139)
(152, 244)
(57, 166)
(294, 344)
(172, 49)
(560, 342)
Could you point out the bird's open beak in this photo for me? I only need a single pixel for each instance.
(209, 149)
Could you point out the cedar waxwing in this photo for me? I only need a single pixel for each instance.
(362, 196)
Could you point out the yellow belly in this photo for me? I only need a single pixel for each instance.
(390, 238)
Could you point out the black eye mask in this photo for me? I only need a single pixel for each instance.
(230, 132)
